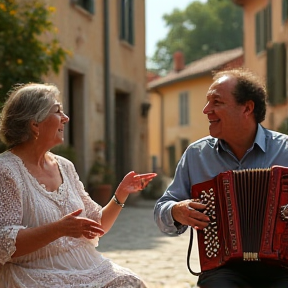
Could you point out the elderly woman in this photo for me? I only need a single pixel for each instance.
(49, 225)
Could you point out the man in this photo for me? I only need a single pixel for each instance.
(236, 104)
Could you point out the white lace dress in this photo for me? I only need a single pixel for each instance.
(66, 262)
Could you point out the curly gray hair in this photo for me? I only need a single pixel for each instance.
(26, 102)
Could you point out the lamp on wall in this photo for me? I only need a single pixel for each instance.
(145, 106)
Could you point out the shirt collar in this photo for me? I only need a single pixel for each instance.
(259, 140)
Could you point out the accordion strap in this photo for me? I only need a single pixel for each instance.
(189, 254)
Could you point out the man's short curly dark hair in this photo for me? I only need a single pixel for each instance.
(249, 87)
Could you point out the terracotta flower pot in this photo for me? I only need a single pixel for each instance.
(101, 193)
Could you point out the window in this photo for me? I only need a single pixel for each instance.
(87, 5)
(263, 28)
(183, 108)
(127, 21)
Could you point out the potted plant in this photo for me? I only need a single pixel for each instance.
(100, 180)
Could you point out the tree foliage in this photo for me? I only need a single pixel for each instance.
(199, 30)
(29, 48)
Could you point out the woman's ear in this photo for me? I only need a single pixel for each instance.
(34, 126)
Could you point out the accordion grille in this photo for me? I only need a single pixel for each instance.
(251, 187)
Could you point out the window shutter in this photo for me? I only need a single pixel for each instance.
(172, 159)
(91, 6)
(257, 32)
(276, 73)
(184, 144)
(268, 24)
(88, 5)
(131, 22)
(127, 21)
(284, 10)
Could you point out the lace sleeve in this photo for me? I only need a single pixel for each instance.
(93, 210)
(10, 216)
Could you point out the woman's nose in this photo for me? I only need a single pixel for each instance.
(65, 118)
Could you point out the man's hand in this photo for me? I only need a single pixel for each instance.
(188, 213)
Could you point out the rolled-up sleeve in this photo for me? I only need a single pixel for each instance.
(178, 190)
(10, 216)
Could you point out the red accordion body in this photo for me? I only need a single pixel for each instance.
(249, 214)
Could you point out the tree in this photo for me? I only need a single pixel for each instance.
(199, 30)
(29, 48)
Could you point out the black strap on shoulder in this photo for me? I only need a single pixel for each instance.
(189, 254)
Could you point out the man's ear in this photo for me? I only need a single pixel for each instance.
(249, 108)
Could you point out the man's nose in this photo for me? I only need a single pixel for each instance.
(206, 108)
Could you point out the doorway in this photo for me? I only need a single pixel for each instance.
(76, 114)
(122, 135)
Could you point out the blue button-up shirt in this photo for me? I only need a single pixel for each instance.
(206, 158)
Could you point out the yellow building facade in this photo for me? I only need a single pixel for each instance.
(103, 82)
(177, 100)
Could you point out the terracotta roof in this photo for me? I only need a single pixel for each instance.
(239, 2)
(150, 76)
(199, 67)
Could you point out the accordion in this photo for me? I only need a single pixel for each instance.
(248, 211)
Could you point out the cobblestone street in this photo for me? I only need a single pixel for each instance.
(135, 242)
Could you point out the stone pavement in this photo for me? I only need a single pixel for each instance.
(135, 242)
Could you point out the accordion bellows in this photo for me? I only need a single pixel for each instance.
(248, 212)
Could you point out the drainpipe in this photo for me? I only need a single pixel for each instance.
(107, 104)
(162, 131)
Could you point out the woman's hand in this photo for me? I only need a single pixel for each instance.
(132, 183)
(73, 226)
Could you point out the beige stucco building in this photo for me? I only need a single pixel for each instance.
(103, 82)
(265, 49)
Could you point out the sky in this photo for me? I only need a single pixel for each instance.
(155, 25)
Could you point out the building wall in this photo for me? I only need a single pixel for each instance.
(128, 75)
(82, 79)
(155, 127)
(173, 132)
(257, 62)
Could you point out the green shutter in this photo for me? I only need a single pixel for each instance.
(131, 22)
(184, 144)
(276, 73)
(258, 32)
(172, 159)
(268, 24)
(88, 5)
(127, 21)
(91, 6)
(284, 10)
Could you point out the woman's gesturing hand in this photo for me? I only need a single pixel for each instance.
(73, 226)
(134, 182)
